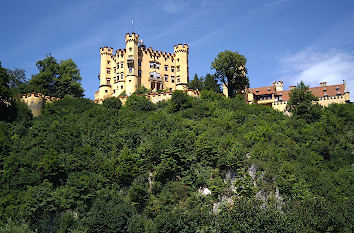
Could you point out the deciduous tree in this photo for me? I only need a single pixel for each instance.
(230, 69)
(301, 104)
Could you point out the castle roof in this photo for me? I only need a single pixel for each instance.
(328, 90)
(262, 90)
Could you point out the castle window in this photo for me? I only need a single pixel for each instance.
(177, 59)
(121, 65)
(122, 75)
(172, 79)
(269, 89)
(170, 89)
(108, 70)
(178, 68)
(139, 63)
(257, 91)
(115, 70)
(157, 66)
(178, 79)
(130, 81)
(114, 91)
(166, 78)
(106, 91)
(130, 69)
(121, 87)
(108, 62)
(122, 55)
(166, 68)
(139, 73)
(172, 69)
(108, 81)
(152, 64)
(130, 49)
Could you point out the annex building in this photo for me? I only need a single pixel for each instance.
(276, 97)
(134, 66)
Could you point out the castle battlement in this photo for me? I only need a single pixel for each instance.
(35, 101)
(181, 48)
(131, 37)
(106, 50)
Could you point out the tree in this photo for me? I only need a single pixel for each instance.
(230, 69)
(112, 103)
(196, 83)
(18, 82)
(57, 79)
(301, 104)
(43, 82)
(6, 96)
(211, 84)
(68, 82)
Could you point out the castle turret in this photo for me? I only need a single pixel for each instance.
(279, 85)
(131, 70)
(182, 71)
(106, 73)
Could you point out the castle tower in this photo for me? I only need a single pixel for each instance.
(181, 60)
(106, 78)
(279, 85)
(131, 70)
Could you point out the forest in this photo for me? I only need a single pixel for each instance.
(208, 164)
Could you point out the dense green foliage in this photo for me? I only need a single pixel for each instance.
(84, 167)
(301, 104)
(209, 83)
(56, 79)
(11, 108)
(6, 95)
(230, 69)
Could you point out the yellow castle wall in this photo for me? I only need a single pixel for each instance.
(36, 102)
(111, 67)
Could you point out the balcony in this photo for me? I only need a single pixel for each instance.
(130, 61)
(265, 100)
(156, 77)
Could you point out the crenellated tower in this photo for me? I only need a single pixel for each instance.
(279, 85)
(131, 71)
(105, 76)
(181, 52)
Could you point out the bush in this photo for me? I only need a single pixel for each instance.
(180, 101)
(139, 103)
(112, 103)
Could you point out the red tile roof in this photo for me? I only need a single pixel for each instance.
(262, 90)
(331, 90)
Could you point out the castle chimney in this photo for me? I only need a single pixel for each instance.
(323, 84)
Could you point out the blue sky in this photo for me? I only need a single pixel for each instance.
(289, 40)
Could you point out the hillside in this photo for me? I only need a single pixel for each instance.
(84, 167)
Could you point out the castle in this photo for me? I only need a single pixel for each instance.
(276, 97)
(122, 73)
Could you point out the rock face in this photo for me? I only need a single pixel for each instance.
(204, 191)
(231, 191)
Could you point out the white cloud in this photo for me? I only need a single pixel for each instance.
(173, 6)
(314, 67)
